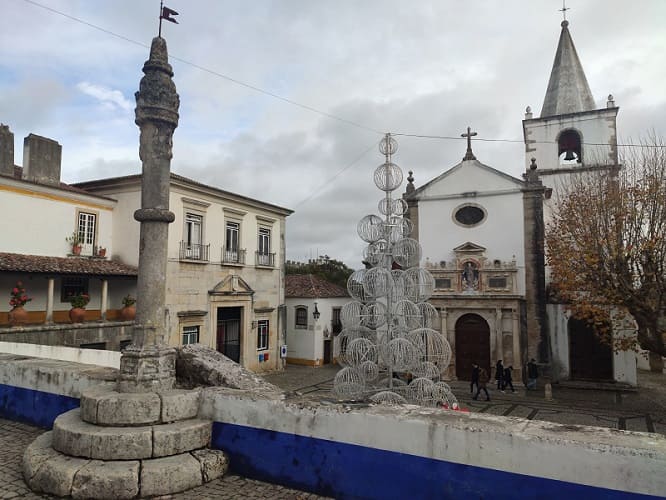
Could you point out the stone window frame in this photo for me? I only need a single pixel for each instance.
(193, 330)
(469, 204)
(300, 325)
(263, 334)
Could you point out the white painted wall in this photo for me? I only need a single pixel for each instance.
(501, 233)
(38, 218)
(595, 127)
(308, 343)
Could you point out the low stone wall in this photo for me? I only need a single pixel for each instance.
(97, 357)
(72, 335)
(38, 390)
(362, 451)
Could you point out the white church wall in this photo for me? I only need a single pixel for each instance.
(595, 127)
(501, 233)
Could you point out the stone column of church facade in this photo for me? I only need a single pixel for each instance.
(538, 345)
(149, 364)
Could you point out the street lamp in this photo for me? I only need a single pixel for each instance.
(316, 313)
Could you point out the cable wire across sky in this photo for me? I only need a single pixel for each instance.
(305, 106)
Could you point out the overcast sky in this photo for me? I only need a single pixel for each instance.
(430, 67)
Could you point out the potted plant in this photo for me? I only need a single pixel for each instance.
(128, 312)
(77, 314)
(100, 251)
(75, 241)
(18, 315)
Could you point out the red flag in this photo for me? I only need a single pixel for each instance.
(167, 12)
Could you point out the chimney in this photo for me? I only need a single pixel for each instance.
(6, 151)
(41, 160)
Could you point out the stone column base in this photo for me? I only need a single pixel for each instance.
(147, 369)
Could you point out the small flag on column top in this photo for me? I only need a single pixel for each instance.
(167, 13)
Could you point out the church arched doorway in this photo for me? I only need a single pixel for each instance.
(472, 345)
(589, 358)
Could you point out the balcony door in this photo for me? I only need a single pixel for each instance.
(193, 233)
(86, 232)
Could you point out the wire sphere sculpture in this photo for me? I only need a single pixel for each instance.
(359, 351)
(426, 369)
(369, 370)
(421, 284)
(420, 390)
(400, 354)
(407, 253)
(351, 313)
(406, 314)
(442, 394)
(388, 177)
(388, 398)
(370, 228)
(377, 282)
(355, 285)
(398, 229)
(389, 352)
(376, 253)
(374, 315)
(399, 288)
(388, 145)
(428, 314)
(431, 346)
(348, 383)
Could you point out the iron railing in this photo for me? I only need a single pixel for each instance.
(233, 256)
(191, 251)
(265, 259)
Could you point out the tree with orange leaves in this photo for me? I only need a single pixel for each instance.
(606, 245)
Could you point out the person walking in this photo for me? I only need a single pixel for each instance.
(532, 374)
(508, 378)
(499, 375)
(483, 380)
(475, 378)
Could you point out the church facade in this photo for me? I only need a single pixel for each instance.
(489, 264)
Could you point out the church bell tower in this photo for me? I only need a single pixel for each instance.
(571, 134)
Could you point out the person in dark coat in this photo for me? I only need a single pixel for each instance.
(483, 380)
(508, 378)
(499, 375)
(475, 378)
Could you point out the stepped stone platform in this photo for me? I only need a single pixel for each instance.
(125, 445)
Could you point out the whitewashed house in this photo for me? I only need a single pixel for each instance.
(39, 213)
(313, 319)
(226, 254)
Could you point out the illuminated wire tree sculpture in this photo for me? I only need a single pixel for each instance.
(389, 350)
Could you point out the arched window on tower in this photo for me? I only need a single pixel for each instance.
(569, 147)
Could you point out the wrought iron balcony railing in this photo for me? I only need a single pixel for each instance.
(233, 256)
(265, 259)
(191, 251)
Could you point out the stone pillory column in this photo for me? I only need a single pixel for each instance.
(149, 364)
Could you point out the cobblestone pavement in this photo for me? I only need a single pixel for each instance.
(15, 437)
(643, 410)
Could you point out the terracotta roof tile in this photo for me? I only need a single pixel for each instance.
(15, 262)
(309, 286)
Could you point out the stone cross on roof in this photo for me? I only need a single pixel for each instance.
(469, 155)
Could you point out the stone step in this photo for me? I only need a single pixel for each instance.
(72, 436)
(102, 406)
(48, 471)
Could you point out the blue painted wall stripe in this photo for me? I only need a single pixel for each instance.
(349, 471)
(34, 407)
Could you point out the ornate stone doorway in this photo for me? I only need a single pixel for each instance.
(589, 358)
(228, 332)
(472, 345)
